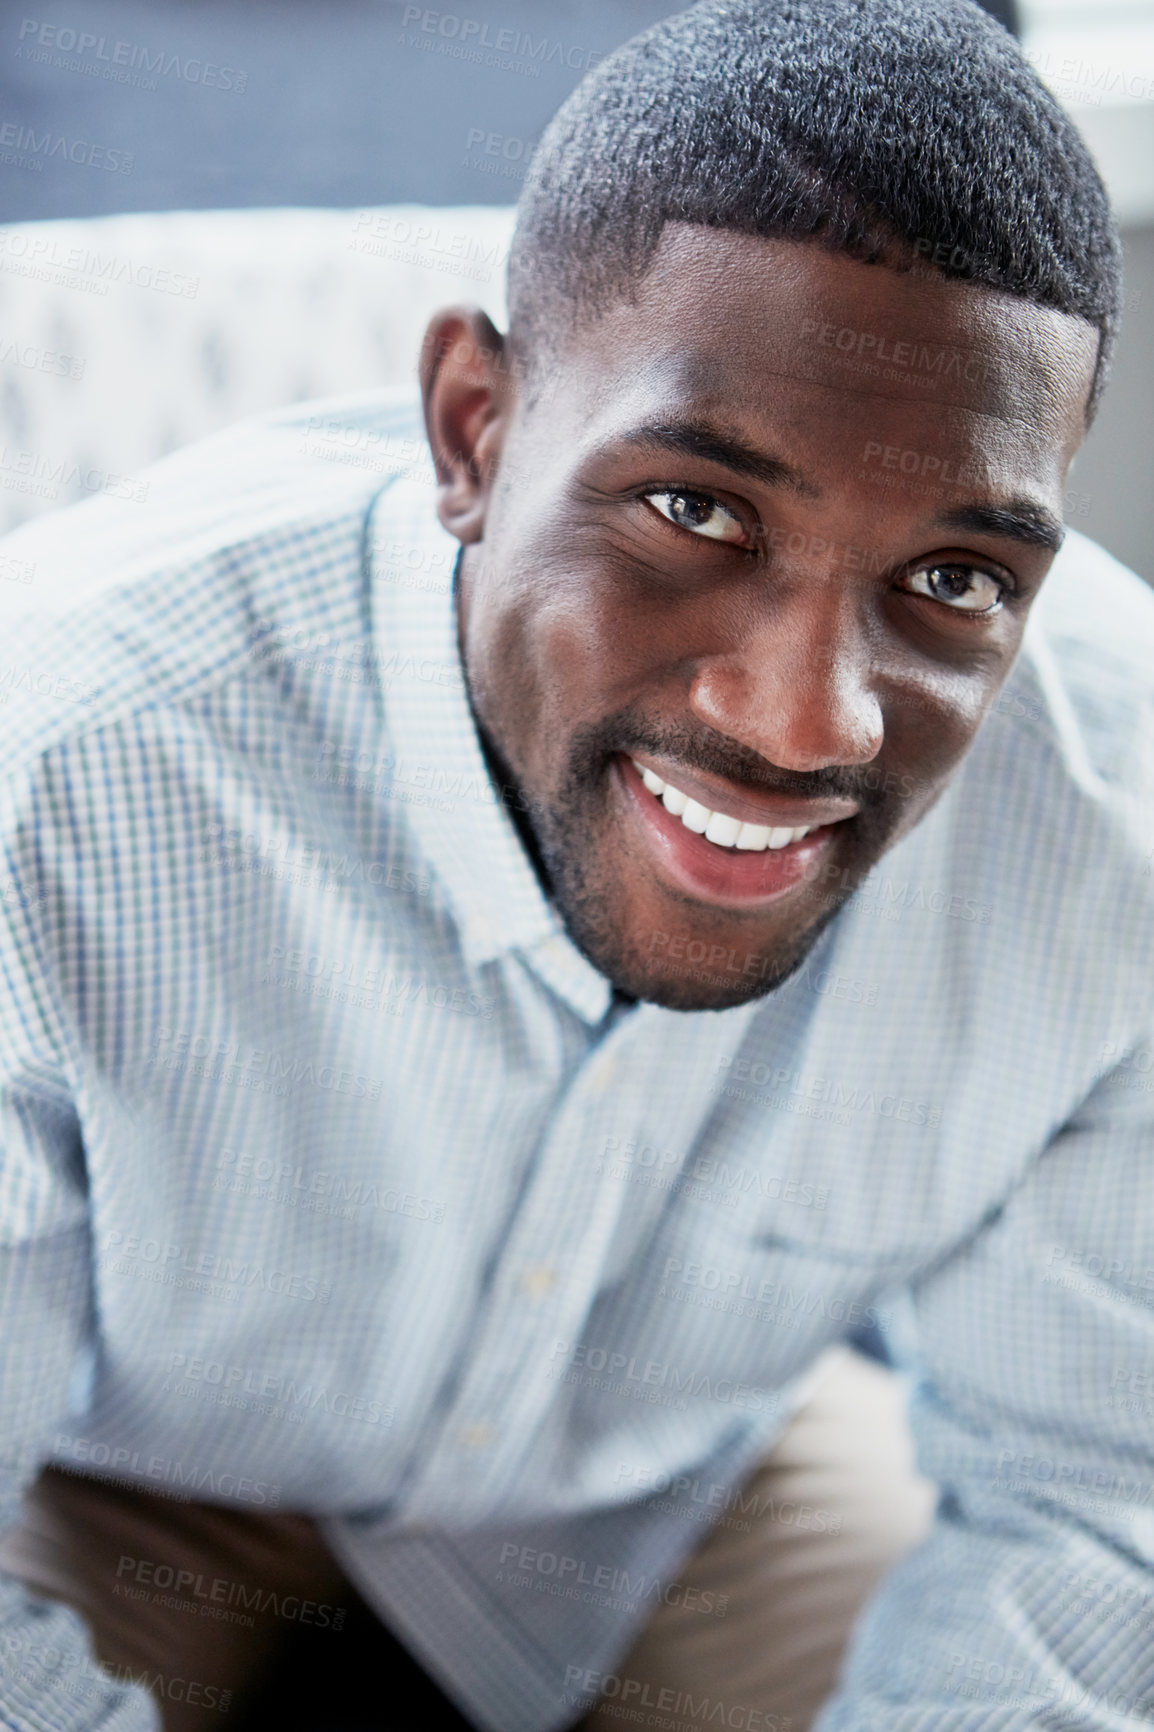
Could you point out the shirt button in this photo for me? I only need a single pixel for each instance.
(477, 1436)
(602, 1073)
(538, 1282)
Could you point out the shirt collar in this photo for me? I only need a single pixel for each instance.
(462, 824)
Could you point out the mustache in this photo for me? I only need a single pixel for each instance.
(704, 748)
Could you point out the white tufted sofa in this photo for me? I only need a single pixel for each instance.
(122, 338)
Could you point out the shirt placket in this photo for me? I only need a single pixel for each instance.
(544, 1283)
(550, 1271)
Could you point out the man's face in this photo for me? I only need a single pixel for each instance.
(763, 549)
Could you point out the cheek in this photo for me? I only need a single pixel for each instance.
(566, 639)
(590, 665)
(544, 656)
(929, 731)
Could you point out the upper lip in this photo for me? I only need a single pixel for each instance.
(775, 810)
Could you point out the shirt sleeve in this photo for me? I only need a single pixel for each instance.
(50, 1680)
(1031, 1603)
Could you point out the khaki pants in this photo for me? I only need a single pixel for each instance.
(832, 1509)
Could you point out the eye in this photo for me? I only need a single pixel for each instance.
(700, 514)
(963, 588)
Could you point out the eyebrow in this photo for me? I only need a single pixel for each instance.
(1020, 520)
(706, 443)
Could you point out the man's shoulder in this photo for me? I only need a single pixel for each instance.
(126, 604)
(1083, 688)
(1094, 623)
(1054, 812)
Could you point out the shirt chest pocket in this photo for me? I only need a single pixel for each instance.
(728, 1302)
(868, 1222)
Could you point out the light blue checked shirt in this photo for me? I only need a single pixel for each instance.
(333, 1180)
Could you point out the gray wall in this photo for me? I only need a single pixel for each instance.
(312, 102)
(1111, 493)
(350, 102)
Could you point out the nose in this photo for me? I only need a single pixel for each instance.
(797, 686)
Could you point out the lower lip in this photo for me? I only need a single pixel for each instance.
(714, 874)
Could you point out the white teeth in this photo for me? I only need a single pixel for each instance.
(718, 827)
(753, 836)
(722, 829)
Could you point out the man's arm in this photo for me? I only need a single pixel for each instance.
(49, 1678)
(1032, 1602)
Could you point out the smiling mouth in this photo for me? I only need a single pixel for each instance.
(715, 826)
(715, 856)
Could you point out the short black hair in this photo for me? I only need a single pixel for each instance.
(891, 130)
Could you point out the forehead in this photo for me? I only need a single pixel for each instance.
(780, 329)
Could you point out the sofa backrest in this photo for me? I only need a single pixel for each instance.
(123, 338)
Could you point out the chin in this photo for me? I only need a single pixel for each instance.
(713, 977)
(699, 990)
(698, 987)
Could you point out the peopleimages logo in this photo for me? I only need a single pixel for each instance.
(629, 1695)
(79, 267)
(274, 1179)
(174, 1264)
(176, 1049)
(829, 1091)
(241, 1380)
(14, 353)
(30, 148)
(126, 1467)
(40, 474)
(604, 1584)
(642, 1375)
(464, 38)
(217, 1597)
(103, 57)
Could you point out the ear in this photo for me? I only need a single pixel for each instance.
(468, 395)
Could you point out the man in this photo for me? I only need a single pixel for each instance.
(472, 1049)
